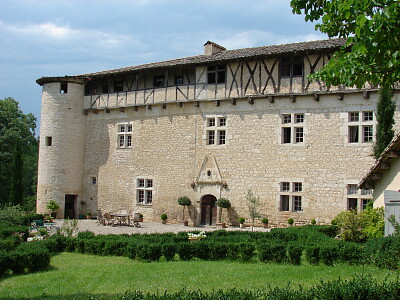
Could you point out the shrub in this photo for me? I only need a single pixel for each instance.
(290, 221)
(168, 251)
(12, 215)
(149, 252)
(85, 235)
(164, 217)
(313, 222)
(384, 252)
(245, 251)
(242, 220)
(185, 251)
(350, 252)
(294, 252)
(328, 254)
(312, 254)
(272, 251)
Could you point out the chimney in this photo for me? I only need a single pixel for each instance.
(211, 48)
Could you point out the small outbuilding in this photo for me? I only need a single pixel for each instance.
(384, 178)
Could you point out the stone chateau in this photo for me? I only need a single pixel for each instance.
(208, 126)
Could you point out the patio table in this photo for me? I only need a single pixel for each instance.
(122, 219)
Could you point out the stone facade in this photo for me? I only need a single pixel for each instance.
(210, 129)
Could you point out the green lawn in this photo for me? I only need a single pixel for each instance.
(77, 274)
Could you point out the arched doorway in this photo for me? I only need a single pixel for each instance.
(208, 210)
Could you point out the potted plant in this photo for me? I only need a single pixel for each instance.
(222, 203)
(241, 221)
(164, 218)
(140, 217)
(290, 221)
(88, 215)
(313, 222)
(53, 207)
(184, 201)
(81, 215)
(265, 222)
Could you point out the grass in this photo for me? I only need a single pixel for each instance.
(74, 274)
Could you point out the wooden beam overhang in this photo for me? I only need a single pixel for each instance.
(271, 99)
(217, 102)
(316, 96)
(394, 153)
(366, 94)
(122, 109)
(250, 100)
(377, 176)
(340, 96)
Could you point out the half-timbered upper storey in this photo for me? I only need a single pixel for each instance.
(218, 74)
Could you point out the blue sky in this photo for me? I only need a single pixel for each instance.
(68, 37)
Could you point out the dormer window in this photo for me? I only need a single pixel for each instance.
(216, 74)
(158, 81)
(292, 66)
(178, 79)
(118, 86)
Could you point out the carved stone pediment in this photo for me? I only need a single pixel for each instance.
(209, 172)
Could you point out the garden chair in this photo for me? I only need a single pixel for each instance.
(109, 220)
(100, 219)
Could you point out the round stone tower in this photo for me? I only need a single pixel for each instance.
(61, 150)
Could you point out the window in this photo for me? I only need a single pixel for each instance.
(351, 203)
(94, 180)
(292, 128)
(104, 88)
(291, 191)
(48, 141)
(124, 135)
(158, 81)
(216, 74)
(284, 203)
(285, 186)
(357, 198)
(361, 127)
(291, 67)
(216, 130)
(178, 79)
(63, 87)
(144, 191)
(118, 86)
(296, 203)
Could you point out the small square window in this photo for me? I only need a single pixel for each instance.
(149, 183)
(158, 81)
(211, 122)
(352, 189)
(178, 79)
(297, 187)
(299, 118)
(287, 118)
(48, 141)
(140, 183)
(354, 117)
(368, 116)
(285, 186)
(366, 191)
(121, 128)
(94, 180)
(129, 128)
(222, 122)
(118, 86)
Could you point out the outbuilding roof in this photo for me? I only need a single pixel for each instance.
(382, 163)
(223, 56)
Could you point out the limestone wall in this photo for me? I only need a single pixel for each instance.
(169, 147)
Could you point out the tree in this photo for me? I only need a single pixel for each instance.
(16, 188)
(253, 204)
(222, 203)
(371, 54)
(372, 29)
(385, 117)
(15, 125)
(184, 201)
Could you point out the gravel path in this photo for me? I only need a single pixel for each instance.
(148, 227)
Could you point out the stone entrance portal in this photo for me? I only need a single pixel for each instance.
(208, 210)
